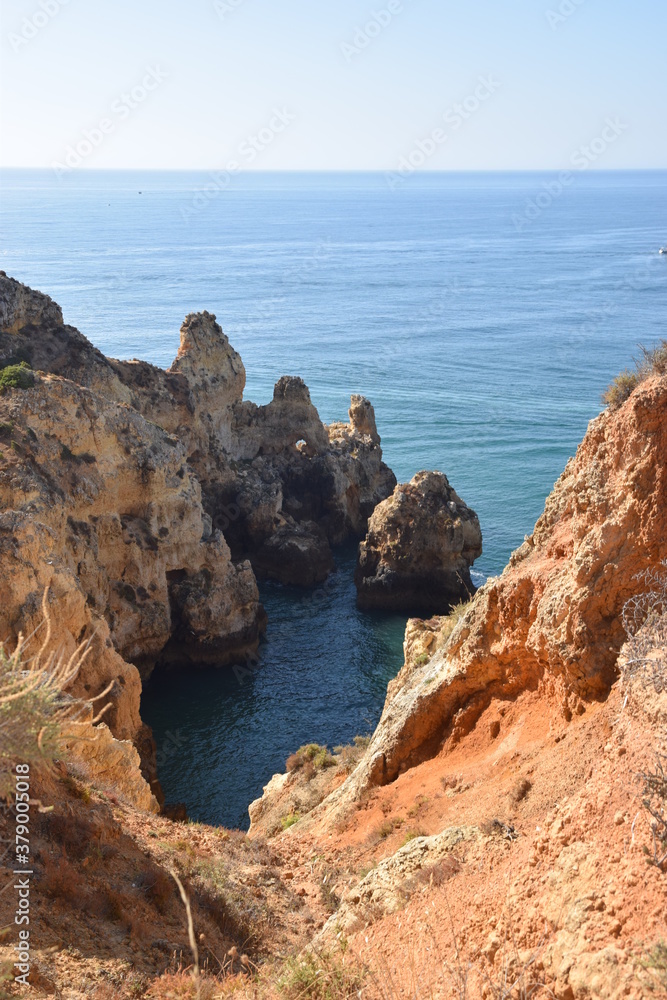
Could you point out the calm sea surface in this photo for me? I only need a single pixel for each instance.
(483, 338)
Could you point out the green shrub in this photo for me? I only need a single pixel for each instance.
(17, 377)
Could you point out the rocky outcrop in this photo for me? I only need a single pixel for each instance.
(420, 545)
(109, 764)
(386, 888)
(552, 621)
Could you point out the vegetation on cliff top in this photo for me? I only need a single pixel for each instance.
(652, 361)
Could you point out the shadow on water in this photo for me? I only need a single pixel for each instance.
(322, 677)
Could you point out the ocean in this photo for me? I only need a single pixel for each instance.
(482, 314)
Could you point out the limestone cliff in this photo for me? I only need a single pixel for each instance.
(135, 495)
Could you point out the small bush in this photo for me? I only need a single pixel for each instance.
(653, 361)
(75, 834)
(455, 615)
(157, 885)
(181, 985)
(287, 821)
(620, 389)
(412, 835)
(227, 916)
(312, 758)
(328, 895)
(387, 828)
(654, 801)
(61, 880)
(349, 755)
(519, 790)
(16, 377)
(645, 622)
(655, 963)
(418, 805)
(320, 976)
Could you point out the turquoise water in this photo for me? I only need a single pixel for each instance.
(484, 348)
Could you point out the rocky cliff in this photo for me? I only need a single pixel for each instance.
(141, 497)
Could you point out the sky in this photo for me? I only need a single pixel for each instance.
(333, 84)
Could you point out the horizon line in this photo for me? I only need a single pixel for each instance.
(350, 170)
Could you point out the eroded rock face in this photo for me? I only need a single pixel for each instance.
(420, 545)
(126, 514)
(552, 620)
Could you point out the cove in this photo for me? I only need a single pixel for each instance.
(322, 678)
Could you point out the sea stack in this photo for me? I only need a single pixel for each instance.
(420, 545)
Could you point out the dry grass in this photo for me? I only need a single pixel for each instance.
(451, 621)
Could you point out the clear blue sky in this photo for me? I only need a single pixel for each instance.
(557, 78)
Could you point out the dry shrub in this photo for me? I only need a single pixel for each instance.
(61, 880)
(387, 828)
(435, 876)
(654, 963)
(455, 615)
(157, 886)
(652, 361)
(34, 706)
(227, 917)
(654, 801)
(181, 985)
(644, 665)
(349, 755)
(328, 896)
(645, 622)
(115, 904)
(75, 834)
(519, 790)
(320, 976)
